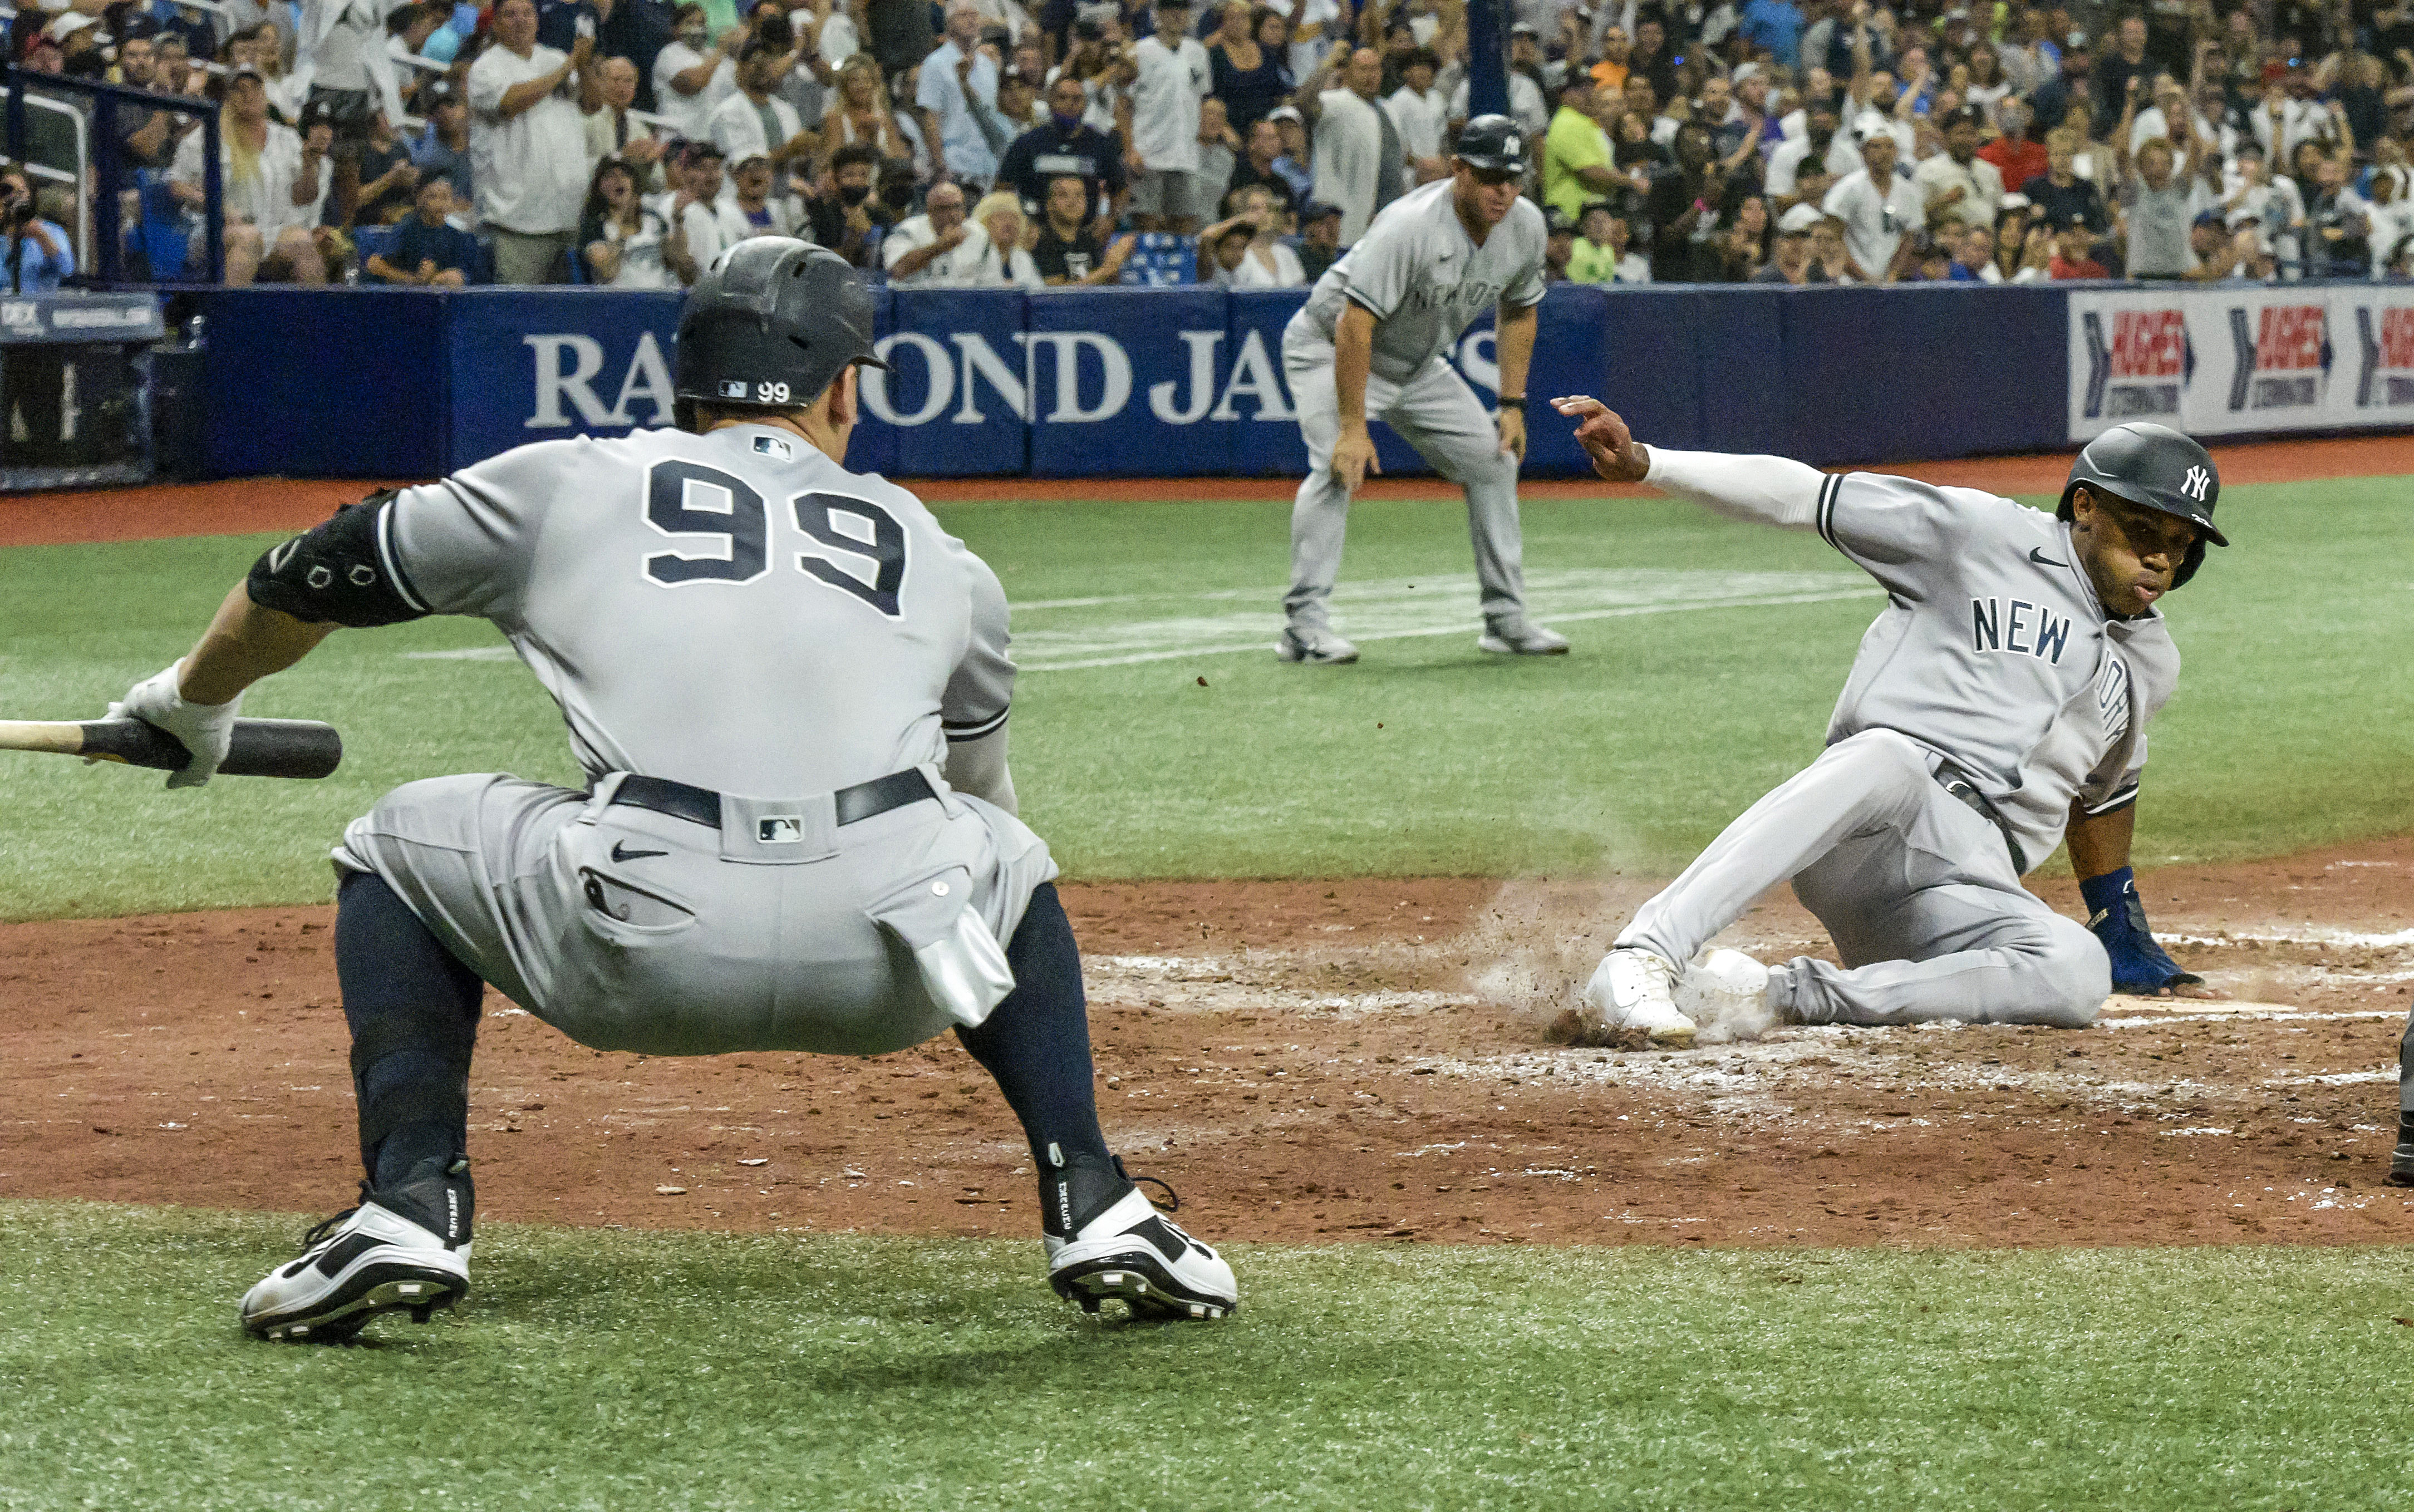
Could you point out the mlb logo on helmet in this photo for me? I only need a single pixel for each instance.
(779, 829)
(733, 388)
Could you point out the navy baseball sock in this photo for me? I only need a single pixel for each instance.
(413, 1011)
(1037, 1041)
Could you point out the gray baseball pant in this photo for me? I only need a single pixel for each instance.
(1916, 890)
(628, 929)
(1436, 413)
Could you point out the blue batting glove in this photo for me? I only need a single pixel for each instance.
(2119, 920)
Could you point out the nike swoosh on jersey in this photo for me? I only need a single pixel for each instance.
(2042, 560)
(619, 853)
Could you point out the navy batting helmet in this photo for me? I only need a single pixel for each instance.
(1493, 143)
(2154, 468)
(772, 321)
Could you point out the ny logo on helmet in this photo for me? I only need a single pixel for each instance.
(2195, 483)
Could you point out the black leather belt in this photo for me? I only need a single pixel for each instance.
(1976, 803)
(702, 806)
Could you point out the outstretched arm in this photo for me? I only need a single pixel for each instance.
(1772, 490)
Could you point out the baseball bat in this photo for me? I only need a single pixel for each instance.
(260, 748)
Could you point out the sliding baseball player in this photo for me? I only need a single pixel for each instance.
(2001, 698)
(1368, 346)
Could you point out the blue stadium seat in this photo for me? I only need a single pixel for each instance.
(1161, 258)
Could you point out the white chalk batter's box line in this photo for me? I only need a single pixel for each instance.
(1199, 624)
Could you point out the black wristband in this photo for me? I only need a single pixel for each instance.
(1516, 402)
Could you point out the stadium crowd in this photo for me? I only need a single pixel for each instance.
(981, 143)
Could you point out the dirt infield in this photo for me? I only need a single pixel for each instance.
(1311, 1061)
(260, 504)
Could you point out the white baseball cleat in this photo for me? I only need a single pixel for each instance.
(1728, 994)
(1636, 989)
(1316, 647)
(381, 1256)
(1129, 1250)
(1521, 638)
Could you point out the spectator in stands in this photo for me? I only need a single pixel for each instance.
(1686, 208)
(1249, 78)
(1789, 260)
(765, 211)
(148, 139)
(1262, 261)
(1294, 164)
(1169, 79)
(376, 184)
(1418, 114)
(1004, 263)
(1069, 250)
(1830, 253)
(627, 243)
(936, 249)
(341, 54)
(1956, 185)
(427, 249)
(705, 218)
(2015, 156)
(1877, 206)
(1256, 170)
(528, 146)
(1804, 168)
(2162, 201)
(1222, 248)
(753, 121)
(2388, 214)
(174, 72)
(35, 253)
(1218, 156)
(1319, 238)
(1744, 239)
(2073, 253)
(1578, 165)
(862, 114)
(2274, 204)
(2121, 75)
(2339, 244)
(839, 215)
(1775, 26)
(443, 150)
(2060, 196)
(638, 30)
(959, 81)
(613, 130)
(897, 32)
(1558, 246)
(274, 185)
(1066, 144)
(1604, 253)
(694, 73)
(1360, 164)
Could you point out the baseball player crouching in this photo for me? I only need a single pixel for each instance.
(1367, 346)
(1998, 700)
(789, 689)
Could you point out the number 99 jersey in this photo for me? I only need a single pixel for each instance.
(734, 609)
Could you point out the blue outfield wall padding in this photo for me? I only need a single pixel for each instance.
(410, 383)
(959, 386)
(312, 384)
(1943, 370)
(541, 364)
(1127, 382)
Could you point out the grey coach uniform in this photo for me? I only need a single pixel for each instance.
(1991, 692)
(1424, 281)
(735, 612)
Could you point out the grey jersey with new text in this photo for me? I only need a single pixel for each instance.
(1993, 650)
(1424, 280)
(733, 609)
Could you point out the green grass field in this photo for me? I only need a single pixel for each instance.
(1155, 736)
(629, 1369)
(1703, 676)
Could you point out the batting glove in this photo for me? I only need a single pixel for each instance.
(2119, 920)
(204, 727)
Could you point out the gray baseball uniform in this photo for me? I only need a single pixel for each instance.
(737, 613)
(1991, 693)
(1424, 281)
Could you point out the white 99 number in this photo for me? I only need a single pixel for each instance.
(771, 394)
